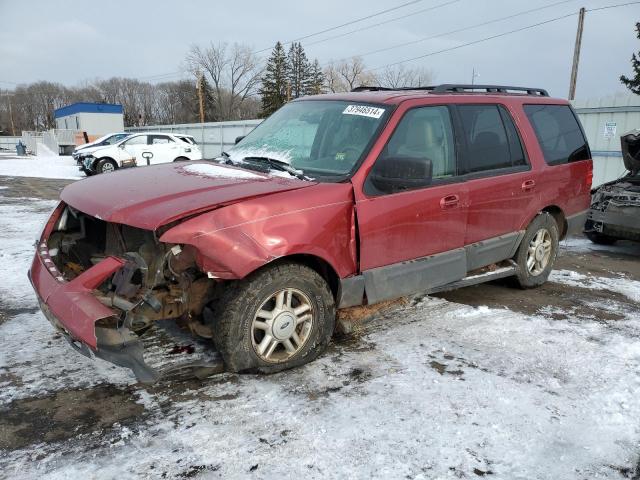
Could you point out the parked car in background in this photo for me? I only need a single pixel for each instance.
(615, 207)
(140, 149)
(333, 201)
(85, 149)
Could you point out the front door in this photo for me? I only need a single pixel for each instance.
(133, 148)
(413, 240)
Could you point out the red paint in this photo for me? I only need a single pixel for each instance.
(71, 303)
(150, 197)
(238, 225)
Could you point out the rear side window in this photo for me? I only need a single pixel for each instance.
(491, 137)
(558, 133)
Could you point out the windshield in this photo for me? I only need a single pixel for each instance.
(116, 138)
(321, 138)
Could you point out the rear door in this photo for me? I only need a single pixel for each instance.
(412, 240)
(500, 182)
(164, 149)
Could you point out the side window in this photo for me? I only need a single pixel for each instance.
(159, 139)
(491, 137)
(425, 133)
(420, 151)
(558, 133)
(138, 140)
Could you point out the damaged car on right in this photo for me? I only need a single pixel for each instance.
(615, 206)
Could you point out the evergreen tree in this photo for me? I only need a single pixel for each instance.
(316, 79)
(299, 71)
(633, 83)
(274, 81)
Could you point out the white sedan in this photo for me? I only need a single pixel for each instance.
(140, 149)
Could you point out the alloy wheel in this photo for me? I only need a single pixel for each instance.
(539, 252)
(282, 325)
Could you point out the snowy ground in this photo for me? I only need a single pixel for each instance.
(484, 382)
(45, 165)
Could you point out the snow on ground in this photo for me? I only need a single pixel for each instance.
(428, 389)
(44, 165)
(22, 221)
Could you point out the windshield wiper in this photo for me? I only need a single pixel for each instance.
(278, 165)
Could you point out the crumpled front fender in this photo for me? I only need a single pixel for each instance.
(235, 240)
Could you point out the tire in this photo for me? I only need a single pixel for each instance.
(244, 335)
(88, 173)
(106, 165)
(600, 238)
(181, 159)
(537, 252)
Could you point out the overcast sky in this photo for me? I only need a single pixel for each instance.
(77, 41)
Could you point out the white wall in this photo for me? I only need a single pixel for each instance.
(95, 124)
(623, 110)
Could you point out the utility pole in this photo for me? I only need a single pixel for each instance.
(576, 56)
(201, 97)
(473, 76)
(13, 128)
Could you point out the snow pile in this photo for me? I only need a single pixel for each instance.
(45, 165)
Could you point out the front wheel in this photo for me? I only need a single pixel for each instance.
(537, 251)
(106, 165)
(280, 317)
(181, 159)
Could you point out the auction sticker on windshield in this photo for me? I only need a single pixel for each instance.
(363, 110)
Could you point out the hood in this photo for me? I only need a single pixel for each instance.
(630, 143)
(149, 197)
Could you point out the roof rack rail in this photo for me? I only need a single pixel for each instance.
(453, 87)
(460, 88)
(365, 88)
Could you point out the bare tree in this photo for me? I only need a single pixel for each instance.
(346, 75)
(400, 77)
(233, 71)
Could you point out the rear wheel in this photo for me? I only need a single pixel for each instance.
(106, 165)
(600, 238)
(537, 251)
(280, 317)
(181, 159)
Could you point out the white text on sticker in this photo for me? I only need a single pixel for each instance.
(364, 111)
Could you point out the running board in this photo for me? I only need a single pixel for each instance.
(502, 272)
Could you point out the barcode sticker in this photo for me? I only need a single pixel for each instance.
(363, 110)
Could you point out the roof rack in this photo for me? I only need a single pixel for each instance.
(459, 88)
(452, 87)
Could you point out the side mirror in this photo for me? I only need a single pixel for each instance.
(147, 156)
(395, 174)
(121, 145)
(239, 139)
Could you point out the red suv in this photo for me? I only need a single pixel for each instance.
(333, 201)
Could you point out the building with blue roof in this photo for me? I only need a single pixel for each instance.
(96, 119)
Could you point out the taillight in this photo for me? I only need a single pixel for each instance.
(589, 176)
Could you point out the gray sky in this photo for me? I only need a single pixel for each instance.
(77, 41)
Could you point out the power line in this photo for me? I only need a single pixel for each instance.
(351, 22)
(367, 27)
(611, 6)
(485, 39)
(451, 32)
(326, 30)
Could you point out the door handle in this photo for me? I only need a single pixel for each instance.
(528, 185)
(450, 201)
